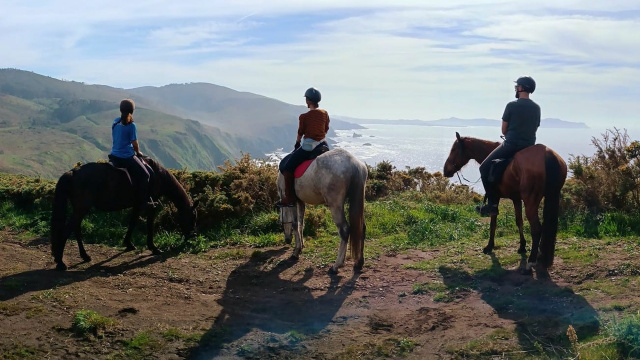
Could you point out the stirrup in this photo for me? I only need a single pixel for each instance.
(487, 210)
(280, 204)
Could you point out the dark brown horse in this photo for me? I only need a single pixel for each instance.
(536, 172)
(108, 188)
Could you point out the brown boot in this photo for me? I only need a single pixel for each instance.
(289, 198)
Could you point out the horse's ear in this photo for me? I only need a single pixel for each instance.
(458, 135)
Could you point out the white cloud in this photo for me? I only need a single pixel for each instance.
(375, 59)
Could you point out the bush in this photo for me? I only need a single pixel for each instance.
(609, 180)
(626, 333)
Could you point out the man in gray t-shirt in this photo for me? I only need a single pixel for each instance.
(520, 122)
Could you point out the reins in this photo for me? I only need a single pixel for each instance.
(467, 180)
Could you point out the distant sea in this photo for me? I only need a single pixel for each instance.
(428, 146)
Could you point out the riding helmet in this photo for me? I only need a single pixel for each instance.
(527, 83)
(127, 106)
(313, 94)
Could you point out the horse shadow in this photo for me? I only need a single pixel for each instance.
(259, 298)
(15, 285)
(542, 310)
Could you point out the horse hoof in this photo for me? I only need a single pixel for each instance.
(130, 248)
(294, 257)
(522, 251)
(156, 252)
(332, 271)
(61, 266)
(487, 251)
(287, 241)
(526, 271)
(86, 258)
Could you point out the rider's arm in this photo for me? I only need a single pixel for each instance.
(505, 126)
(136, 148)
(301, 128)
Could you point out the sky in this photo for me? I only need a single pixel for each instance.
(370, 59)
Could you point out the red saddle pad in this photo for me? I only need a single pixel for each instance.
(302, 168)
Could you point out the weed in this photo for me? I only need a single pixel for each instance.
(87, 322)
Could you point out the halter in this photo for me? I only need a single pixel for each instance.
(461, 144)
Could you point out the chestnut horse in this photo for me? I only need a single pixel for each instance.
(107, 188)
(331, 179)
(535, 172)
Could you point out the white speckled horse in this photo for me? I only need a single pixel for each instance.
(331, 179)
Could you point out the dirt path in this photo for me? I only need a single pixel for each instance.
(242, 303)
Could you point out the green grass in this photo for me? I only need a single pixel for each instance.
(87, 322)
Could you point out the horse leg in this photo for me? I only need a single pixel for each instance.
(76, 223)
(517, 206)
(298, 222)
(58, 249)
(531, 211)
(132, 224)
(492, 234)
(150, 232)
(337, 213)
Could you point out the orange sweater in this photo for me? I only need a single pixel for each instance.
(314, 124)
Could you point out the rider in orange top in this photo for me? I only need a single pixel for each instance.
(312, 129)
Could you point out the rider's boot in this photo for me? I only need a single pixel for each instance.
(491, 207)
(289, 198)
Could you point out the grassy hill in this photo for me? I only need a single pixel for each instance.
(47, 125)
(47, 136)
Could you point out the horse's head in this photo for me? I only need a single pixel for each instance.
(458, 157)
(188, 221)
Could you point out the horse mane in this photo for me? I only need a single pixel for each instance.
(172, 187)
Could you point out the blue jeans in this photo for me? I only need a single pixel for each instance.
(298, 156)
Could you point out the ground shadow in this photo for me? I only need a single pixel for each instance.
(12, 286)
(257, 297)
(541, 310)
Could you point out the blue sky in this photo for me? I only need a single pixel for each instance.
(370, 59)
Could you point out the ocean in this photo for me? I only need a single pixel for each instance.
(428, 146)
(410, 146)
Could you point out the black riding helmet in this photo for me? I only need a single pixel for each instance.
(313, 94)
(127, 106)
(527, 83)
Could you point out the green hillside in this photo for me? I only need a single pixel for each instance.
(45, 137)
(47, 125)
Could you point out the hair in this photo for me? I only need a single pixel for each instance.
(126, 110)
(315, 103)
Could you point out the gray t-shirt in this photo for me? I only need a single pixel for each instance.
(523, 116)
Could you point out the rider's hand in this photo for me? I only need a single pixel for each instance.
(297, 145)
(139, 154)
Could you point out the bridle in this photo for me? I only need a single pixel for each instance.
(455, 165)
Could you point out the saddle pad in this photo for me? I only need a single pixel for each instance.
(302, 168)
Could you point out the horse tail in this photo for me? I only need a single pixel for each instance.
(59, 213)
(550, 212)
(357, 227)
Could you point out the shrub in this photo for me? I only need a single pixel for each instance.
(610, 179)
(87, 322)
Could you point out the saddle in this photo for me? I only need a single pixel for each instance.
(497, 169)
(302, 168)
(126, 172)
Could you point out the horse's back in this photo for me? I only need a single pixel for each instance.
(101, 185)
(330, 175)
(527, 171)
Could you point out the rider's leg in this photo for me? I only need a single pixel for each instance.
(140, 177)
(293, 160)
(491, 187)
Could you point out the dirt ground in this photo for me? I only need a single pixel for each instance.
(239, 303)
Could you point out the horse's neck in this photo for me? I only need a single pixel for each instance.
(480, 149)
(172, 189)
